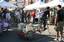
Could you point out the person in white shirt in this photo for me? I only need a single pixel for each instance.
(18, 16)
(8, 16)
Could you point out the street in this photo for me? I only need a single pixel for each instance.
(12, 36)
(31, 20)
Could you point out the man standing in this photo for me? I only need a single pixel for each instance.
(59, 23)
(33, 15)
(22, 16)
(18, 16)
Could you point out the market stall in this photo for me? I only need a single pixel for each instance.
(52, 4)
(8, 5)
(37, 5)
(33, 6)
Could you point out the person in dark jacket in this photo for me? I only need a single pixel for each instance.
(44, 17)
(1, 11)
(23, 16)
(59, 23)
(4, 13)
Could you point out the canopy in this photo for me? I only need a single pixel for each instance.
(33, 6)
(52, 4)
(5, 4)
(44, 5)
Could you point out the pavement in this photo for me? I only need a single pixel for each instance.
(46, 36)
(13, 37)
(10, 37)
(50, 30)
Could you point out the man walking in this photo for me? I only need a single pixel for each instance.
(44, 17)
(59, 23)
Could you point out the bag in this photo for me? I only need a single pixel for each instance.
(21, 34)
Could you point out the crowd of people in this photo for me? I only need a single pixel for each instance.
(7, 18)
(58, 20)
